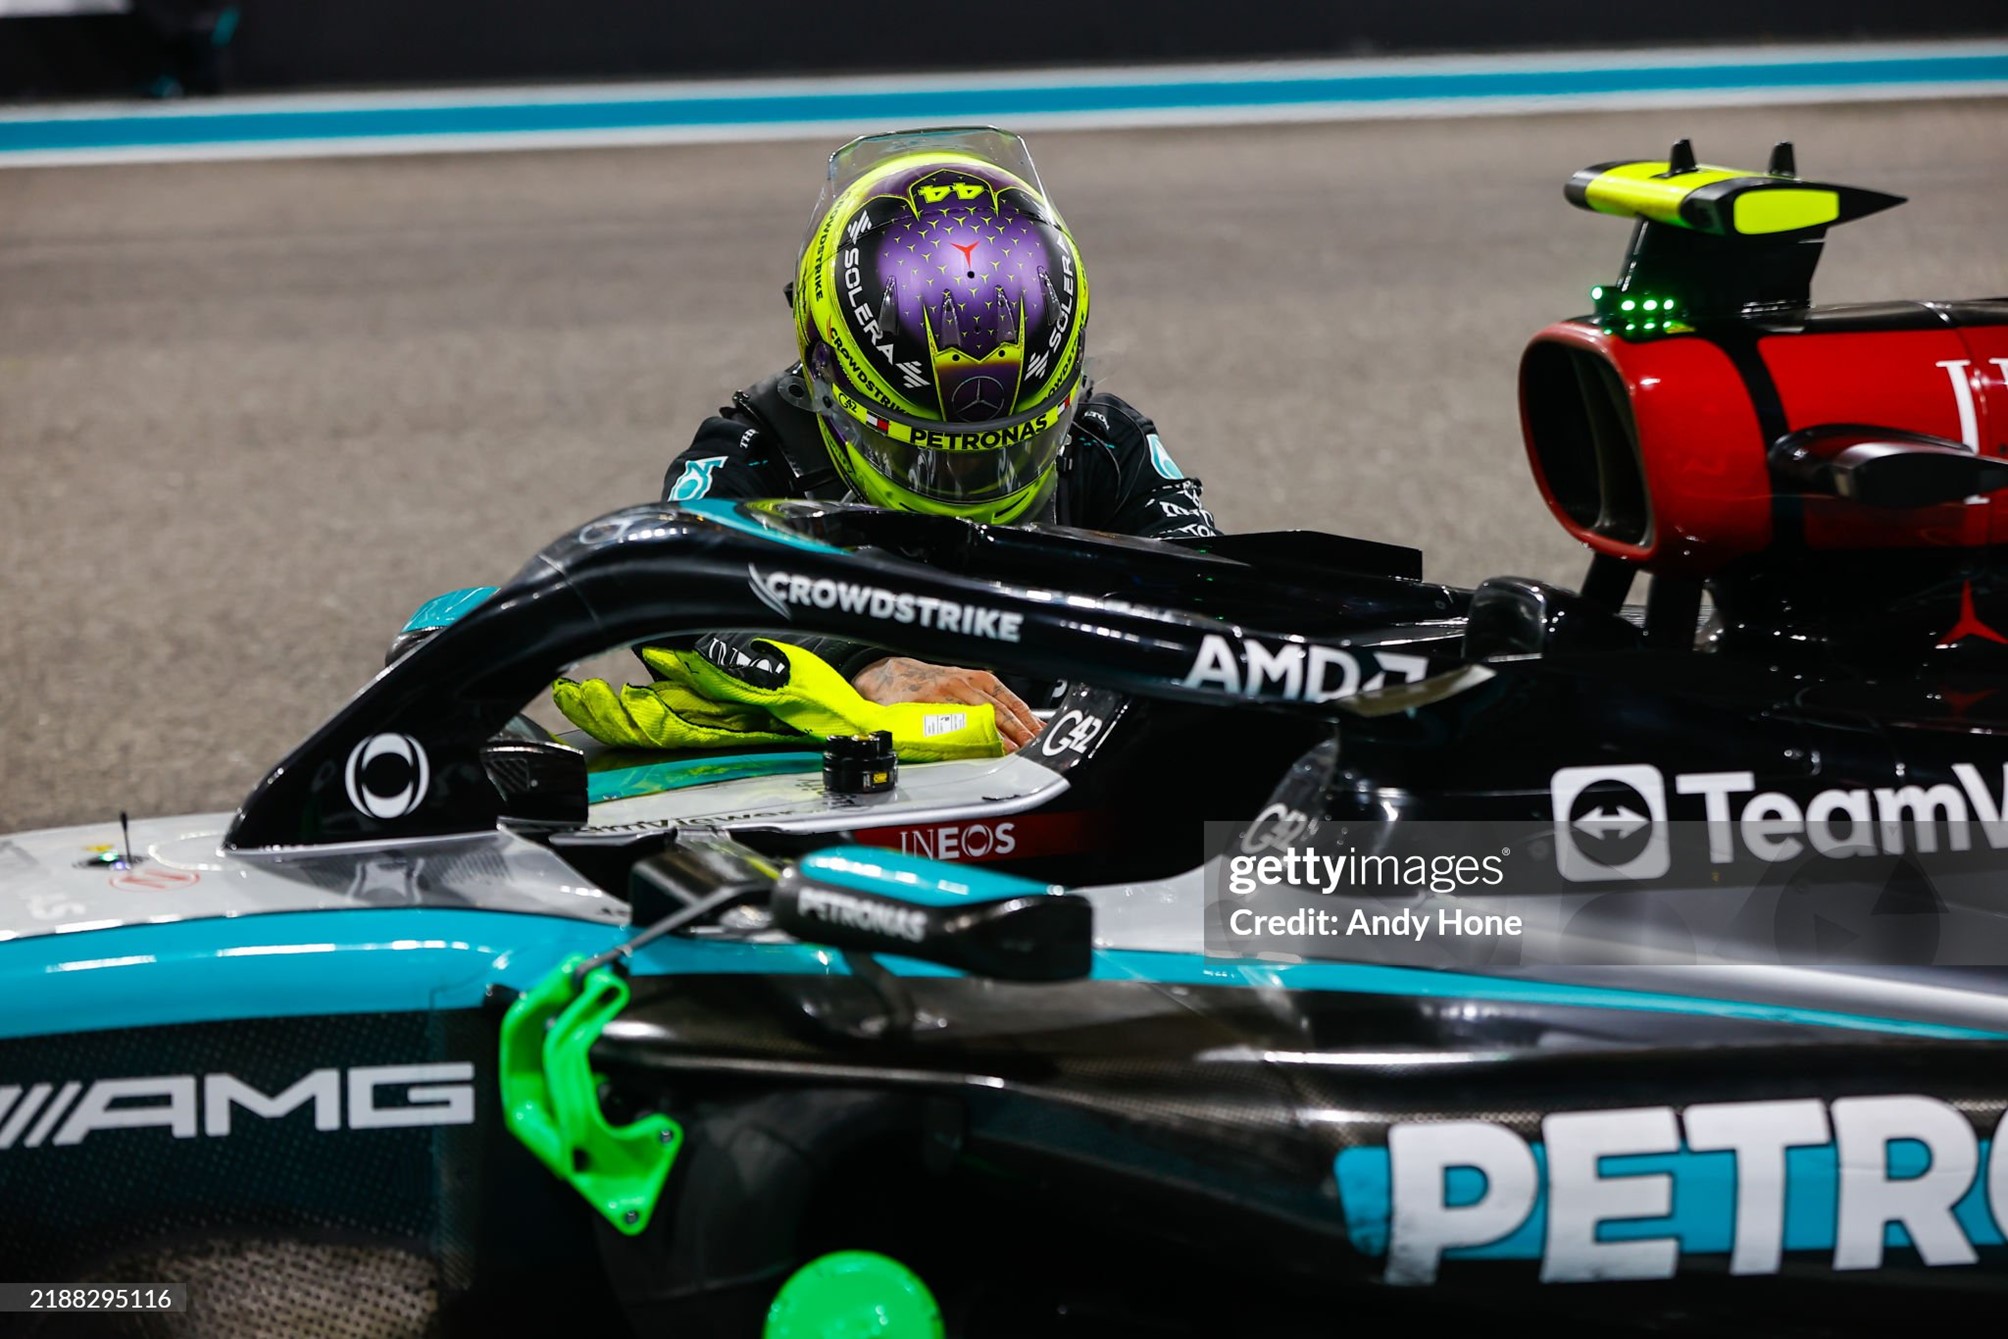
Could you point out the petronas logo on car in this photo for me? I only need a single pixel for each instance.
(863, 913)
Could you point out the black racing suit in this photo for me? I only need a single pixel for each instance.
(1114, 475)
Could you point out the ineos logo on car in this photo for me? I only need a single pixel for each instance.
(387, 776)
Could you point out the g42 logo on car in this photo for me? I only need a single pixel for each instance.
(1277, 828)
(1070, 732)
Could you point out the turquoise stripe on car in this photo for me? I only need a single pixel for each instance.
(390, 959)
(1376, 979)
(915, 879)
(293, 964)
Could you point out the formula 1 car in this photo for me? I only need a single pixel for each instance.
(456, 1027)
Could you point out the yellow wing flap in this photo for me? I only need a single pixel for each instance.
(1721, 201)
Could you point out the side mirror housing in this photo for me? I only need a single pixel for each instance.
(1884, 467)
(978, 921)
(542, 782)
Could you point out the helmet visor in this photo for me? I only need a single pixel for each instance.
(962, 464)
(984, 143)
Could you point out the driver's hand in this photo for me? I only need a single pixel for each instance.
(899, 679)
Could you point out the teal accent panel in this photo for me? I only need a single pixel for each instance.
(736, 516)
(289, 964)
(625, 783)
(915, 879)
(441, 610)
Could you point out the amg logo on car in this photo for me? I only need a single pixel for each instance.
(778, 590)
(188, 1104)
(863, 913)
(1293, 672)
(1624, 1194)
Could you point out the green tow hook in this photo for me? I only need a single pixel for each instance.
(550, 1097)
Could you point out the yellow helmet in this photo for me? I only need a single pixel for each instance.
(940, 305)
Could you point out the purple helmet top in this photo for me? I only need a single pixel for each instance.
(968, 300)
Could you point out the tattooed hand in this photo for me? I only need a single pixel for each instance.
(898, 679)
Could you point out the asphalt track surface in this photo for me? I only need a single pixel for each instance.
(252, 414)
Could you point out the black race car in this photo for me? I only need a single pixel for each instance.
(1203, 1014)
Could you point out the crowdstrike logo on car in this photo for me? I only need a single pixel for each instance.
(1611, 822)
(780, 590)
(186, 1105)
(863, 913)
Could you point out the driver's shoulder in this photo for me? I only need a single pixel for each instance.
(1112, 442)
(1113, 423)
(748, 446)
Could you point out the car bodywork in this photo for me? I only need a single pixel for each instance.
(286, 1034)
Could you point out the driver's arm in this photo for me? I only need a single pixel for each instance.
(732, 459)
(893, 679)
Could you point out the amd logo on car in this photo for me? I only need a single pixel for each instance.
(1294, 671)
(379, 1097)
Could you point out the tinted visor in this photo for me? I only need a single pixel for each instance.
(957, 463)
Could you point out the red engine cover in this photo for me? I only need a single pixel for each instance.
(1703, 415)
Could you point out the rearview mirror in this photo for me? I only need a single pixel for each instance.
(542, 782)
(984, 923)
(1885, 467)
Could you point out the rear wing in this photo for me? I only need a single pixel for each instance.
(1713, 243)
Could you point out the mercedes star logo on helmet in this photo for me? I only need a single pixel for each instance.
(978, 398)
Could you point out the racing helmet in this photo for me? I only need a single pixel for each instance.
(939, 308)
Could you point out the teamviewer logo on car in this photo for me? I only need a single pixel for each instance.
(1610, 823)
